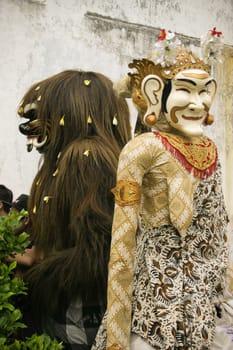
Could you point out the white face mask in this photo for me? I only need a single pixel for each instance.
(189, 101)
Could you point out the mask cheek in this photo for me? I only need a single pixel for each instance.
(174, 116)
(178, 98)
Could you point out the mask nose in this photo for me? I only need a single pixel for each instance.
(196, 104)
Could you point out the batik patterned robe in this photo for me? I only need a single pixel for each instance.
(169, 247)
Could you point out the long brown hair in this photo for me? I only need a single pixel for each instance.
(71, 205)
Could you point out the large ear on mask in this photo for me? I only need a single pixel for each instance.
(152, 89)
(212, 87)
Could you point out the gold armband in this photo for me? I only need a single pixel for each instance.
(127, 192)
(114, 347)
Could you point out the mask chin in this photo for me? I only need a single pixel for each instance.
(196, 130)
(187, 128)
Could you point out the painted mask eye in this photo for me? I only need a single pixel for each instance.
(204, 91)
(183, 89)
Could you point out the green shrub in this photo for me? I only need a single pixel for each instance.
(11, 287)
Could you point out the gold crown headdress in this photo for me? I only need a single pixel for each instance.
(184, 59)
(171, 57)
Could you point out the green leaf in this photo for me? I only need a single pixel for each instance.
(12, 266)
(10, 287)
(8, 306)
(22, 237)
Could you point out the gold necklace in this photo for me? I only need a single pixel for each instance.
(198, 156)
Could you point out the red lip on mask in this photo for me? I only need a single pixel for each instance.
(190, 118)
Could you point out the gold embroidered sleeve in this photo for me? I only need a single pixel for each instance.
(134, 159)
(127, 192)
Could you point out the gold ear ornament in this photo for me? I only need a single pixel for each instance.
(151, 119)
(209, 119)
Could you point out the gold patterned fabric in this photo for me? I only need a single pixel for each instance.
(164, 213)
(167, 191)
(166, 197)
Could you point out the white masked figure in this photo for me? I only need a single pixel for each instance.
(169, 247)
(189, 101)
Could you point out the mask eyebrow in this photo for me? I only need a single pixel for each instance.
(208, 82)
(187, 81)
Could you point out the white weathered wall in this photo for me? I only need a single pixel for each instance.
(39, 38)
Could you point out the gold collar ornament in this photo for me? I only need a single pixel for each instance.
(198, 157)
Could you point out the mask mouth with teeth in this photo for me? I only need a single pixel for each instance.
(33, 128)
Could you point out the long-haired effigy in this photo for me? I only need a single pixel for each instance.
(79, 125)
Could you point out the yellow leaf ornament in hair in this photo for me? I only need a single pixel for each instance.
(89, 120)
(86, 152)
(87, 82)
(21, 110)
(55, 172)
(115, 121)
(47, 198)
(62, 121)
